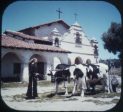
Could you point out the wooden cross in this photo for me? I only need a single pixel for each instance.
(59, 12)
(75, 16)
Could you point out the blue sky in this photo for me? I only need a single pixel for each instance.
(95, 17)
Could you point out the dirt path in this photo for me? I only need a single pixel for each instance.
(15, 98)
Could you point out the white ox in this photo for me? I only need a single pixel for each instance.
(104, 73)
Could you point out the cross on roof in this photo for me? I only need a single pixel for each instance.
(59, 12)
(75, 14)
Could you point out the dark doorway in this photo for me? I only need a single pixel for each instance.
(17, 71)
(41, 70)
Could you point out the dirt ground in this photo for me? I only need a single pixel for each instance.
(14, 96)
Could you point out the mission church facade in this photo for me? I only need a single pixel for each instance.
(51, 43)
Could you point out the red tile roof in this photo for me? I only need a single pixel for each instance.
(24, 35)
(9, 42)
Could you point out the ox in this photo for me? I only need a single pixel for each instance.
(64, 73)
(61, 74)
(79, 79)
(84, 76)
(97, 73)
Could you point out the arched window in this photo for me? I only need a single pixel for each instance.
(96, 50)
(78, 39)
(57, 42)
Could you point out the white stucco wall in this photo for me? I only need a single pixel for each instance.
(84, 50)
(45, 31)
(78, 49)
(73, 56)
(67, 42)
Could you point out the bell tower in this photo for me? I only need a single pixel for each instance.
(94, 44)
(55, 37)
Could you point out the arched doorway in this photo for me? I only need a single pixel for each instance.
(41, 65)
(56, 61)
(78, 60)
(11, 67)
(69, 61)
(88, 61)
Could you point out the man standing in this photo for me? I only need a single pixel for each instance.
(32, 86)
(114, 83)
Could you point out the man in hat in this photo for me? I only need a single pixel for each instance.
(33, 73)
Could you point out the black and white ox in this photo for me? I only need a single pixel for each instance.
(61, 75)
(64, 73)
(89, 75)
(79, 73)
(98, 73)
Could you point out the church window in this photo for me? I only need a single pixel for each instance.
(96, 50)
(57, 42)
(78, 39)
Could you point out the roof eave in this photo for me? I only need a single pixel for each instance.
(13, 47)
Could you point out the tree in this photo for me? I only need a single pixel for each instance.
(113, 39)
